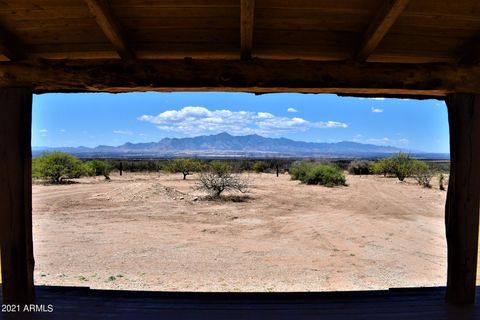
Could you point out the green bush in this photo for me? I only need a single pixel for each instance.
(184, 166)
(402, 165)
(97, 168)
(57, 167)
(360, 167)
(298, 170)
(317, 173)
(384, 167)
(422, 173)
(259, 166)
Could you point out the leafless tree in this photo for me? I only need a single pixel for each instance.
(219, 178)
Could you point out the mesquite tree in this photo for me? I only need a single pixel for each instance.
(219, 178)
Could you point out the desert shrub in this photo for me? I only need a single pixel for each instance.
(299, 169)
(383, 167)
(403, 165)
(360, 167)
(184, 166)
(56, 166)
(324, 174)
(422, 173)
(441, 181)
(218, 177)
(317, 173)
(439, 166)
(138, 165)
(98, 168)
(259, 166)
(88, 169)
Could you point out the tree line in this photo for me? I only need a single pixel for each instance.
(59, 167)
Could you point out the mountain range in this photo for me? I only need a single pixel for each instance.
(226, 145)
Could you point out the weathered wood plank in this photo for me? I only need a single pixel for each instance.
(379, 27)
(232, 75)
(16, 195)
(469, 53)
(10, 46)
(110, 27)
(462, 207)
(247, 12)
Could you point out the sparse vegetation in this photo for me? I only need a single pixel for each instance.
(97, 168)
(184, 166)
(218, 178)
(138, 165)
(317, 173)
(422, 173)
(259, 166)
(360, 167)
(402, 165)
(383, 167)
(441, 181)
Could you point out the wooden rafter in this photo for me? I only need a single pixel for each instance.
(379, 27)
(10, 46)
(262, 76)
(247, 8)
(110, 27)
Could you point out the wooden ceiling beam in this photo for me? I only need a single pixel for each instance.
(469, 54)
(383, 21)
(10, 46)
(110, 27)
(259, 76)
(247, 9)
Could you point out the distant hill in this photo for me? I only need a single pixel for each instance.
(226, 145)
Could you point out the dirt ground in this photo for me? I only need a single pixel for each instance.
(153, 232)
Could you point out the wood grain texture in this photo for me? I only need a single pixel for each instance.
(469, 53)
(110, 27)
(379, 27)
(16, 195)
(462, 207)
(236, 75)
(247, 12)
(10, 46)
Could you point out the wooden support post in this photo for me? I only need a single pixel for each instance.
(16, 195)
(462, 207)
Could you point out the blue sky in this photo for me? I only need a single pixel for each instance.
(93, 119)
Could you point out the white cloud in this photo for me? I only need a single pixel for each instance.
(292, 110)
(124, 132)
(63, 130)
(377, 110)
(193, 120)
(403, 141)
(43, 130)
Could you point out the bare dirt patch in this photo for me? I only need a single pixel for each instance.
(154, 232)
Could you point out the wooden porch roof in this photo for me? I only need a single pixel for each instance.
(94, 45)
(395, 31)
